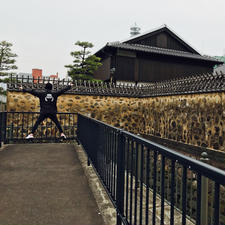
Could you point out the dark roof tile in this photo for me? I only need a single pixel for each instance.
(162, 51)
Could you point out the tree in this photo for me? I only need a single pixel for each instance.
(7, 63)
(84, 64)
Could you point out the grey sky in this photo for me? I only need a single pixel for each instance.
(43, 32)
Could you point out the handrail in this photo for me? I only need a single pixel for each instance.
(207, 170)
(132, 169)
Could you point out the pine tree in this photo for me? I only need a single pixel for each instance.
(84, 64)
(7, 63)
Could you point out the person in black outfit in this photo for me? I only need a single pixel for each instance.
(48, 108)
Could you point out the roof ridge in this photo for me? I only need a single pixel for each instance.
(161, 27)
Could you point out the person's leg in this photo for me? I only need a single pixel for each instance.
(54, 118)
(39, 120)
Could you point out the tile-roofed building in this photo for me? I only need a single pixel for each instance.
(152, 56)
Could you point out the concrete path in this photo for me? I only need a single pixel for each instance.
(44, 184)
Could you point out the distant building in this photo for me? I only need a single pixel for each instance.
(220, 69)
(221, 58)
(3, 85)
(27, 77)
(54, 76)
(152, 56)
(36, 74)
(3, 97)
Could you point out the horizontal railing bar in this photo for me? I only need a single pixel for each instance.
(205, 169)
(40, 112)
(39, 139)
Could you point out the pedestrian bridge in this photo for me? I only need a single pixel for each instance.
(146, 182)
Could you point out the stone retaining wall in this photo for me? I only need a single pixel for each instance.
(196, 119)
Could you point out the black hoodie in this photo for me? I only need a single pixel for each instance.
(48, 98)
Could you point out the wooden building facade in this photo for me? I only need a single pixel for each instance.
(154, 56)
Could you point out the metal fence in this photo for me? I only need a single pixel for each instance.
(203, 83)
(15, 126)
(149, 183)
(2, 106)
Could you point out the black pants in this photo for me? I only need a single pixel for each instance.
(43, 116)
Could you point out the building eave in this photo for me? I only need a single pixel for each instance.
(161, 51)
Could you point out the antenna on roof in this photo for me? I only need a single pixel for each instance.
(135, 30)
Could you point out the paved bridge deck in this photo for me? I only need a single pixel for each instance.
(44, 184)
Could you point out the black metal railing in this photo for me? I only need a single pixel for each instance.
(15, 126)
(203, 83)
(2, 127)
(149, 183)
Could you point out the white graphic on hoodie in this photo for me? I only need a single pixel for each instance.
(49, 97)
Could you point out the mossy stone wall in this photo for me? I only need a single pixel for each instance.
(196, 119)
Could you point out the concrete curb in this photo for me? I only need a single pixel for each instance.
(106, 208)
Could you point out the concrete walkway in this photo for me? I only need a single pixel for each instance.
(44, 184)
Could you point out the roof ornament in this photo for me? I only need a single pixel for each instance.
(135, 30)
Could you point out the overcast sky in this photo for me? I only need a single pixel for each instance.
(43, 32)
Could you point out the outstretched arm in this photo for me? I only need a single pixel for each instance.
(64, 90)
(31, 91)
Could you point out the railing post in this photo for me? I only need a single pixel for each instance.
(120, 176)
(204, 193)
(5, 126)
(139, 164)
(11, 131)
(3, 122)
(1, 113)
